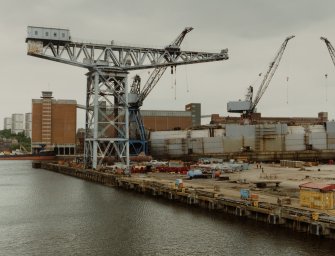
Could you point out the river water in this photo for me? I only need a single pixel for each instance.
(46, 213)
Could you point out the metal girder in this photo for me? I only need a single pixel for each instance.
(116, 57)
(106, 125)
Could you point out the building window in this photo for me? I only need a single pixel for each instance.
(55, 34)
(63, 35)
(36, 32)
(46, 33)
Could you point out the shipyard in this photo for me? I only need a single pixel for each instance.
(142, 131)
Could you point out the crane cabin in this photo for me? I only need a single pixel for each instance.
(48, 34)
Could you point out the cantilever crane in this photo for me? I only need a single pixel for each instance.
(330, 48)
(138, 139)
(107, 94)
(248, 106)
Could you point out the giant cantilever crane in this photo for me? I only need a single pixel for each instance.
(137, 136)
(107, 105)
(330, 48)
(248, 106)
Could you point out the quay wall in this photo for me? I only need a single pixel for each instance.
(296, 219)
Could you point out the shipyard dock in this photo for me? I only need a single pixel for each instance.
(275, 202)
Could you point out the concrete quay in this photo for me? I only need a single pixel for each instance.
(224, 196)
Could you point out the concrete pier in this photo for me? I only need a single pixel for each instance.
(297, 219)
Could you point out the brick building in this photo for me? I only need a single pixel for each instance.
(54, 125)
(161, 120)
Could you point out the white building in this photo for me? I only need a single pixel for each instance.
(17, 123)
(28, 124)
(7, 123)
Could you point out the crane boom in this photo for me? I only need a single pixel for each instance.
(269, 74)
(330, 48)
(117, 57)
(159, 71)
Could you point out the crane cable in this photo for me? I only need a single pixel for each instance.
(326, 89)
(175, 82)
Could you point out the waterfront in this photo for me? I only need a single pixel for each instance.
(46, 213)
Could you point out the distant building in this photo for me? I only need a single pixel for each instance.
(28, 125)
(17, 123)
(257, 118)
(195, 109)
(54, 124)
(7, 123)
(163, 120)
(167, 120)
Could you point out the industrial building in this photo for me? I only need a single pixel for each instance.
(53, 125)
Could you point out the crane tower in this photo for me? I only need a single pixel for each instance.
(248, 106)
(107, 92)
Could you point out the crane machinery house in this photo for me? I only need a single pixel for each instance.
(48, 34)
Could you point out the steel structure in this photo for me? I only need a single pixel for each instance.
(138, 141)
(330, 48)
(107, 106)
(252, 103)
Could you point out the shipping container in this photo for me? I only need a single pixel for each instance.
(245, 193)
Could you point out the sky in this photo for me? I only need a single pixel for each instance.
(251, 30)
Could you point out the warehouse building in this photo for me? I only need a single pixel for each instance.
(54, 125)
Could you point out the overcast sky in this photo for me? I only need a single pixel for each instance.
(251, 30)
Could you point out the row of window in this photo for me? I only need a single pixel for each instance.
(47, 34)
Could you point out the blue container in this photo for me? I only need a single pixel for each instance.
(245, 193)
(194, 173)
